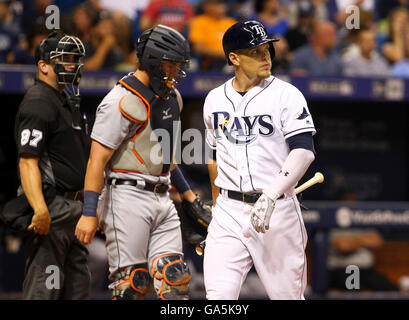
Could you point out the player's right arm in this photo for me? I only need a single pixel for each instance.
(33, 125)
(108, 132)
(94, 179)
(32, 185)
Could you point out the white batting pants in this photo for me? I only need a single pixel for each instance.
(278, 255)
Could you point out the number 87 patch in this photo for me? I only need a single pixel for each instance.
(36, 135)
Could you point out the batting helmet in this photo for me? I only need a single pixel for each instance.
(246, 35)
(65, 50)
(157, 45)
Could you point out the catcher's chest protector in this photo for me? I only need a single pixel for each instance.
(152, 147)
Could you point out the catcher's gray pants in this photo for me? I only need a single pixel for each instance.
(139, 225)
(56, 264)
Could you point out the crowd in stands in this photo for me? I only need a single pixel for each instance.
(314, 35)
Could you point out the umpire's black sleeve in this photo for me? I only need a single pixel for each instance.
(32, 127)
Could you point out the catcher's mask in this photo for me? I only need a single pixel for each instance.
(164, 54)
(66, 53)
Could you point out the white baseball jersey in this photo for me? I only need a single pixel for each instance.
(249, 135)
(249, 132)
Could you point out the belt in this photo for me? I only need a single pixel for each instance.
(245, 197)
(153, 187)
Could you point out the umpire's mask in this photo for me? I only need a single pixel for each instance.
(65, 53)
(68, 57)
(164, 54)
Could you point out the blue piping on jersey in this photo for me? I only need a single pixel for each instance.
(225, 93)
(299, 130)
(244, 113)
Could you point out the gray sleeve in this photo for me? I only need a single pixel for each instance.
(110, 127)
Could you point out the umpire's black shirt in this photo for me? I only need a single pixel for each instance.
(44, 128)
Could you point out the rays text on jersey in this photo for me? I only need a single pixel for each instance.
(243, 129)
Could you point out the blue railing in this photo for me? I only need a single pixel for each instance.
(16, 79)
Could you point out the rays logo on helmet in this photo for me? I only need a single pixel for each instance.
(259, 30)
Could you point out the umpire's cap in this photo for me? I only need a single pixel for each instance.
(246, 35)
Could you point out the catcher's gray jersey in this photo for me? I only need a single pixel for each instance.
(139, 225)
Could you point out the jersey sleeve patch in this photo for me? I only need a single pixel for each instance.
(295, 116)
(32, 129)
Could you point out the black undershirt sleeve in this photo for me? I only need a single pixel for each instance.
(301, 141)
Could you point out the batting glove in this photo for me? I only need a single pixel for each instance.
(262, 210)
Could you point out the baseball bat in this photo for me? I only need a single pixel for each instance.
(317, 178)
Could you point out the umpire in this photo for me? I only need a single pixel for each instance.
(52, 154)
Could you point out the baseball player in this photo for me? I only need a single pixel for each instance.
(140, 222)
(260, 131)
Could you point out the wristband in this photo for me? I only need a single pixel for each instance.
(90, 203)
(178, 180)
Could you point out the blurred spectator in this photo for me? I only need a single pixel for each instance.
(366, 61)
(240, 9)
(9, 31)
(401, 68)
(24, 54)
(130, 8)
(66, 6)
(268, 13)
(319, 7)
(34, 13)
(319, 57)
(281, 61)
(298, 36)
(176, 14)
(83, 20)
(355, 247)
(386, 6)
(349, 38)
(398, 24)
(101, 49)
(206, 34)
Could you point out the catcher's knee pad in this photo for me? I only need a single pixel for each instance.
(175, 276)
(130, 283)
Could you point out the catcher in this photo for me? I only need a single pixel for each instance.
(140, 222)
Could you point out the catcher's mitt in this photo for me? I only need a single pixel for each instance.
(194, 219)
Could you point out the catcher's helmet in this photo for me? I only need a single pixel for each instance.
(64, 50)
(156, 46)
(246, 35)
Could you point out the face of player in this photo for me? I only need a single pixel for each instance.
(255, 62)
(172, 71)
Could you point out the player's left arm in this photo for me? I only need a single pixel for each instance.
(293, 169)
(298, 130)
(179, 181)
